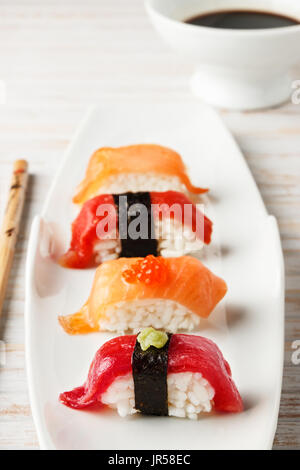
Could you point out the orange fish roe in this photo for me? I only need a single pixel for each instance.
(149, 270)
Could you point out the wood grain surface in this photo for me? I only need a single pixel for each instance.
(59, 56)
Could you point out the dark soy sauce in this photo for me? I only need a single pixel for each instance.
(242, 19)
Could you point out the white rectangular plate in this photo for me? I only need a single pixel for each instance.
(248, 326)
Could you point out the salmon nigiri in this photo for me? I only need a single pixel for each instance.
(132, 293)
(144, 167)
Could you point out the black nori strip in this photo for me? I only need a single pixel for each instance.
(140, 247)
(149, 371)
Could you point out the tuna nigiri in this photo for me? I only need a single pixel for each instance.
(134, 168)
(160, 374)
(171, 225)
(132, 293)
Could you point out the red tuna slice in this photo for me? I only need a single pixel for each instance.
(191, 353)
(111, 361)
(84, 231)
(187, 353)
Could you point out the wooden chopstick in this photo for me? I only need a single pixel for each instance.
(11, 222)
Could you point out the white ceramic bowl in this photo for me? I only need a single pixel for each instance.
(237, 69)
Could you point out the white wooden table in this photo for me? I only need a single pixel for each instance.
(56, 58)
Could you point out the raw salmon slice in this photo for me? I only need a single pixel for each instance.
(152, 161)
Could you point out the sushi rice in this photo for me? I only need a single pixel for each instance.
(160, 313)
(134, 182)
(189, 395)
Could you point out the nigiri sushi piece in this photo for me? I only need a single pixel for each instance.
(171, 225)
(156, 373)
(132, 293)
(144, 167)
